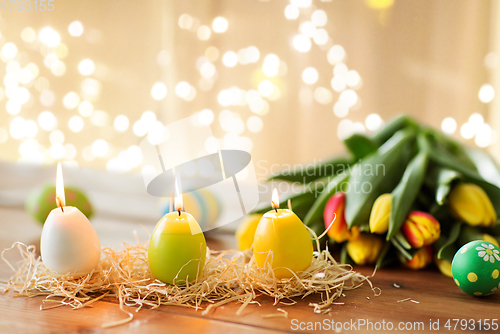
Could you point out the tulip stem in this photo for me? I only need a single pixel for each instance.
(401, 249)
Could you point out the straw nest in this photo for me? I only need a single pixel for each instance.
(228, 276)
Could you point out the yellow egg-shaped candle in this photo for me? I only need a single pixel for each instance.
(282, 239)
(177, 249)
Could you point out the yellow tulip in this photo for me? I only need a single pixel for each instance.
(246, 231)
(470, 203)
(365, 248)
(381, 212)
(421, 259)
(444, 267)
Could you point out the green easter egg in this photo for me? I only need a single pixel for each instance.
(42, 200)
(476, 268)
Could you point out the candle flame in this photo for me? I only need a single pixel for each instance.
(60, 198)
(275, 203)
(178, 197)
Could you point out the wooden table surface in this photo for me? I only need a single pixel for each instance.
(435, 297)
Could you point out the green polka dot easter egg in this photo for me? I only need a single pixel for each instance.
(42, 200)
(476, 268)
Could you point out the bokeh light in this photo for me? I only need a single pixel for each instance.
(86, 67)
(220, 25)
(47, 121)
(320, 37)
(203, 33)
(100, 148)
(266, 88)
(75, 28)
(56, 137)
(75, 123)
(301, 43)
(484, 135)
(85, 108)
(373, 122)
(291, 12)
(99, 118)
(9, 51)
(310, 75)
(449, 125)
(319, 18)
(230, 59)
(336, 54)
(185, 21)
(159, 91)
(486, 93)
(467, 131)
(28, 35)
(255, 124)
(271, 65)
(322, 95)
(121, 123)
(340, 109)
(49, 37)
(206, 117)
(182, 89)
(71, 100)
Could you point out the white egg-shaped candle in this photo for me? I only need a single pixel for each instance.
(69, 244)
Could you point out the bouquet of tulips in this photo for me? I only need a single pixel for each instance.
(406, 194)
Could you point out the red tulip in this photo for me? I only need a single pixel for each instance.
(339, 230)
(421, 229)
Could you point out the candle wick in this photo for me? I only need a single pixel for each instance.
(59, 202)
(275, 206)
(179, 212)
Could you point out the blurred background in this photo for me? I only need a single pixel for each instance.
(287, 80)
(85, 82)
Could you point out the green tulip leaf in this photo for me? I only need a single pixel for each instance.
(445, 179)
(393, 126)
(485, 165)
(402, 240)
(316, 211)
(401, 249)
(343, 254)
(452, 238)
(406, 192)
(469, 233)
(391, 158)
(360, 145)
(313, 172)
(446, 159)
(441, 179)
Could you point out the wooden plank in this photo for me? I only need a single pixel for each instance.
(22, 315)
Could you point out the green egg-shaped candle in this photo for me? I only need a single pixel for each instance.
(41, 201)
(476, 268)
(177, 249)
